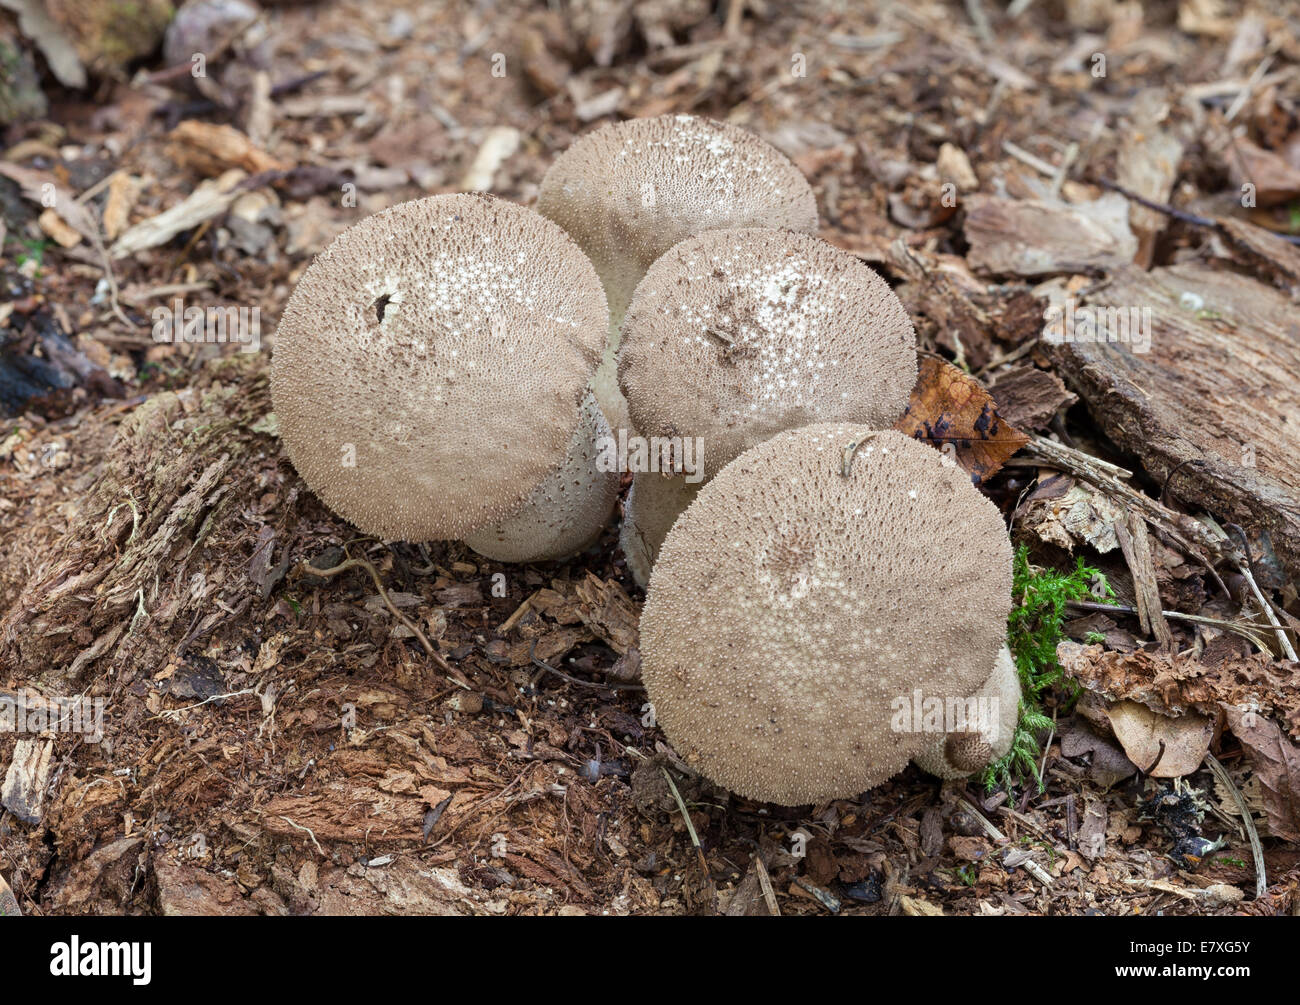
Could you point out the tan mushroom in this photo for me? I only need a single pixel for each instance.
(736, 335)
(429, 373)
(628, 192)
(793, 606)
(567, 510)
(990, 717)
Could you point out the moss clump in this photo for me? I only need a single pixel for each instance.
(111, 34)
(1034, 628)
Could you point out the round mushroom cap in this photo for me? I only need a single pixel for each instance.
(629, 191)
(792, 609)
(958, 754)
(430, 364)
(735, 335)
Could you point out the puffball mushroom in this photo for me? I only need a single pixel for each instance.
(429, 375)
(736, 335)
(629, 191)
(965, 751)
(793, 607)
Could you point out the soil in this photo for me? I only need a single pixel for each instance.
(430, 732)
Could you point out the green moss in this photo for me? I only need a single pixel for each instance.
(1034, 628)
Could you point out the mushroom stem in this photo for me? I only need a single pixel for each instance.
(605, 384)
(958, 754)
(653, 505)
(567, 511)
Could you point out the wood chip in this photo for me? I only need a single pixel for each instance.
(1035, 238)
(211, 149)
(209, 200)
(1213, 408)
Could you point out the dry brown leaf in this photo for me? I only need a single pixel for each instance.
(60, 232)
(42, 188)
(1161, 746)
(210, 199)
(211, 149)
(1171, 684)
(951, 411)
(1276, 760)
(123, 190)
(1274, 179)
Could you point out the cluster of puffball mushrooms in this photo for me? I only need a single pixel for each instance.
(454, 368)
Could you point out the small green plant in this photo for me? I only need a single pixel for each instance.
(966, 874)
(1234, 862)
(32, 249)
(1034, 628)
(1095, 638)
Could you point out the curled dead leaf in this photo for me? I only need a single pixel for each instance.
(950, 410)
(1163, 747)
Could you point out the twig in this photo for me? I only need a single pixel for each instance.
(1160, 756)
(171, 713)
(1159, 207)
(1247, 569)
(735, 12)
(1067, 162)
(361, 563)
(690, 829)
(765, 882)
(1178, 214)
(1110, 478)
(310, 834)
(980, 21)
(1032, 160)
(851, 448)
(1252, 82)
(575, 680)
(1047, 749)
(1256, 849)
(827, 899)
(1246, 630)
(1032, 867)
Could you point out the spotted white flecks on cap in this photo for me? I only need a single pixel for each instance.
(791, 607)
(429, 366)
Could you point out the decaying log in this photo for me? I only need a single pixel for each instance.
(1213, 408)
(129, 575)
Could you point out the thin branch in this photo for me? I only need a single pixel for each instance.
(361, 563)
(1256, 849)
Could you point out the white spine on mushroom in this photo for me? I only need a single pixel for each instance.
(567, 511)
(1002, 687)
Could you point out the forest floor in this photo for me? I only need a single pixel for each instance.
(275, 742)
